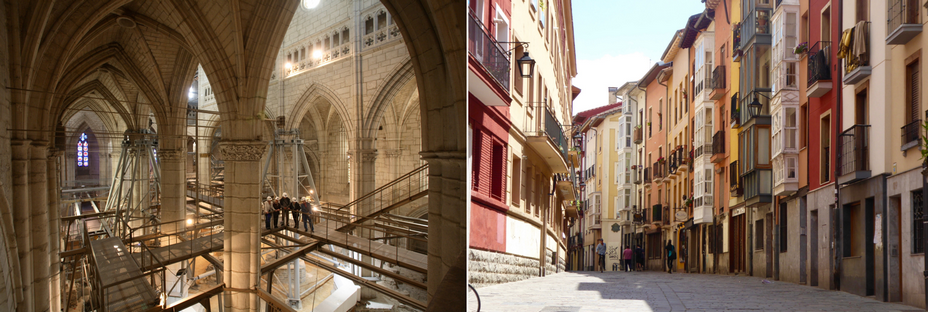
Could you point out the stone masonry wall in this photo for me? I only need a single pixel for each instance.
(489, 268)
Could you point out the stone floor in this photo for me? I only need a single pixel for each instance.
(656, 291)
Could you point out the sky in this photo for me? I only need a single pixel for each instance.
(617, 41)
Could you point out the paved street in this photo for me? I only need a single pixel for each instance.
(656, 291)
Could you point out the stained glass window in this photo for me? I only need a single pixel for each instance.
(83, 158)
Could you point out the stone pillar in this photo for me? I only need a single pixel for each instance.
(363, 175)
(21, 220)
(54, 214)
(447, 222)
(242, 245)
(38, 208)
(173, 198)
(203, 163)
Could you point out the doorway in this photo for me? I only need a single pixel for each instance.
(768, 244)
(813, 255)
(736, 244)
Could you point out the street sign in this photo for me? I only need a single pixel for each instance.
(681, 215)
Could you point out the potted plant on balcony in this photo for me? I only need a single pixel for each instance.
(661, 160)
(923, 148)
(801, 49)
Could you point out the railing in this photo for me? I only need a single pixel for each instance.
(735, 113)
(549, 127)
(735, 186)
(756, 23)
(658, 169)
(911, 131)
(393, 192)
(901, 12)
(647, 175)
(853, 150)
(718, 78)
(736, 50)
(485, 49)
(718, 143)
(819, 62)
(656, 213)
(638, 135)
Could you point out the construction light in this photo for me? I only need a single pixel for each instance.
(189, 221)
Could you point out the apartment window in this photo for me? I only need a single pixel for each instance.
(759, 234)
(497, 185)
(804, 125)
(918, 222)
(825, 153)
(860, 107)
(517, 80)
(804, 35)
(539, 188)
(783, 227)
(863, 10)
(912, 92)
(516, 180)
(791, 128)
(826, 24)
(529, 190)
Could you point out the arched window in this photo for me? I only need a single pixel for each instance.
(83, 158)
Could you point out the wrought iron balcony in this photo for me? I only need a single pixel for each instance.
(487, 51)
(736, 51)
(910, 134)
(903, 22)
(717, 84)
(735, 186)
(546, 136)
(819, 69)
(854, 154)
(647, 175)
(658, 170)
(735, 113)
(638, 135)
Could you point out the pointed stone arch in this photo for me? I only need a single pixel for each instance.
(309, 97)
(388, 90)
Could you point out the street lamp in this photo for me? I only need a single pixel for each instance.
(526, 65)
(755, 107)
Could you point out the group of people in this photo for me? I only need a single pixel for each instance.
(635, 256)
(273, 207)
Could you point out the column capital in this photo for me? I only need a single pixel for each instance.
(242, 150)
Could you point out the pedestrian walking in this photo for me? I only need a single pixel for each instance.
(639, 258)
(276, 212)
(285, 209)
(601, 250)
(671, 255)
(267, 208)
(627, 255)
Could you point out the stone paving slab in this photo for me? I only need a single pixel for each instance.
(659, 291)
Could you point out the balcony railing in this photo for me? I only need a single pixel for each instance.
(549, 127)
(735, 186)
(735, 113)
(857, 59)
(756, 23)
(485, 49)
(638, 135)
(819, 62)
(647, 175)
(736, 51)
(717, 83)
(718, 143)
(902, 21)
(911, 132)
(854, 150)
(658, 168)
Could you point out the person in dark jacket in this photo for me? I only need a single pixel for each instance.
(671, 255)
(639, 258)
(285, 209)
(276, 212)
(296, 210)
(307, 211)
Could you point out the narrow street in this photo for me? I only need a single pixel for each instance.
(657, 291)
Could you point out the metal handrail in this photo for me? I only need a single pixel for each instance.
(819, 65)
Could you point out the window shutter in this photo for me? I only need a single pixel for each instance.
(914, 98)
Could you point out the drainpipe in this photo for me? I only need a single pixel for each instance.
(835, 248)
(661, 126)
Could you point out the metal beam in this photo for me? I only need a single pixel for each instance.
(374, 268)
(360, 280)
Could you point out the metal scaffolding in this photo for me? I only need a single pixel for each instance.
(135, 197)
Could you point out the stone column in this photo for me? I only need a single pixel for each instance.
(363, 162)
(54, 214)
(241, 245)
(21, 218)
(447, 222)
(173, 198)
(38, 208)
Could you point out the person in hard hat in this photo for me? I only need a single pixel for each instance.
(285, 209)
(307, 211)
(267, 208)
(276, 212)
